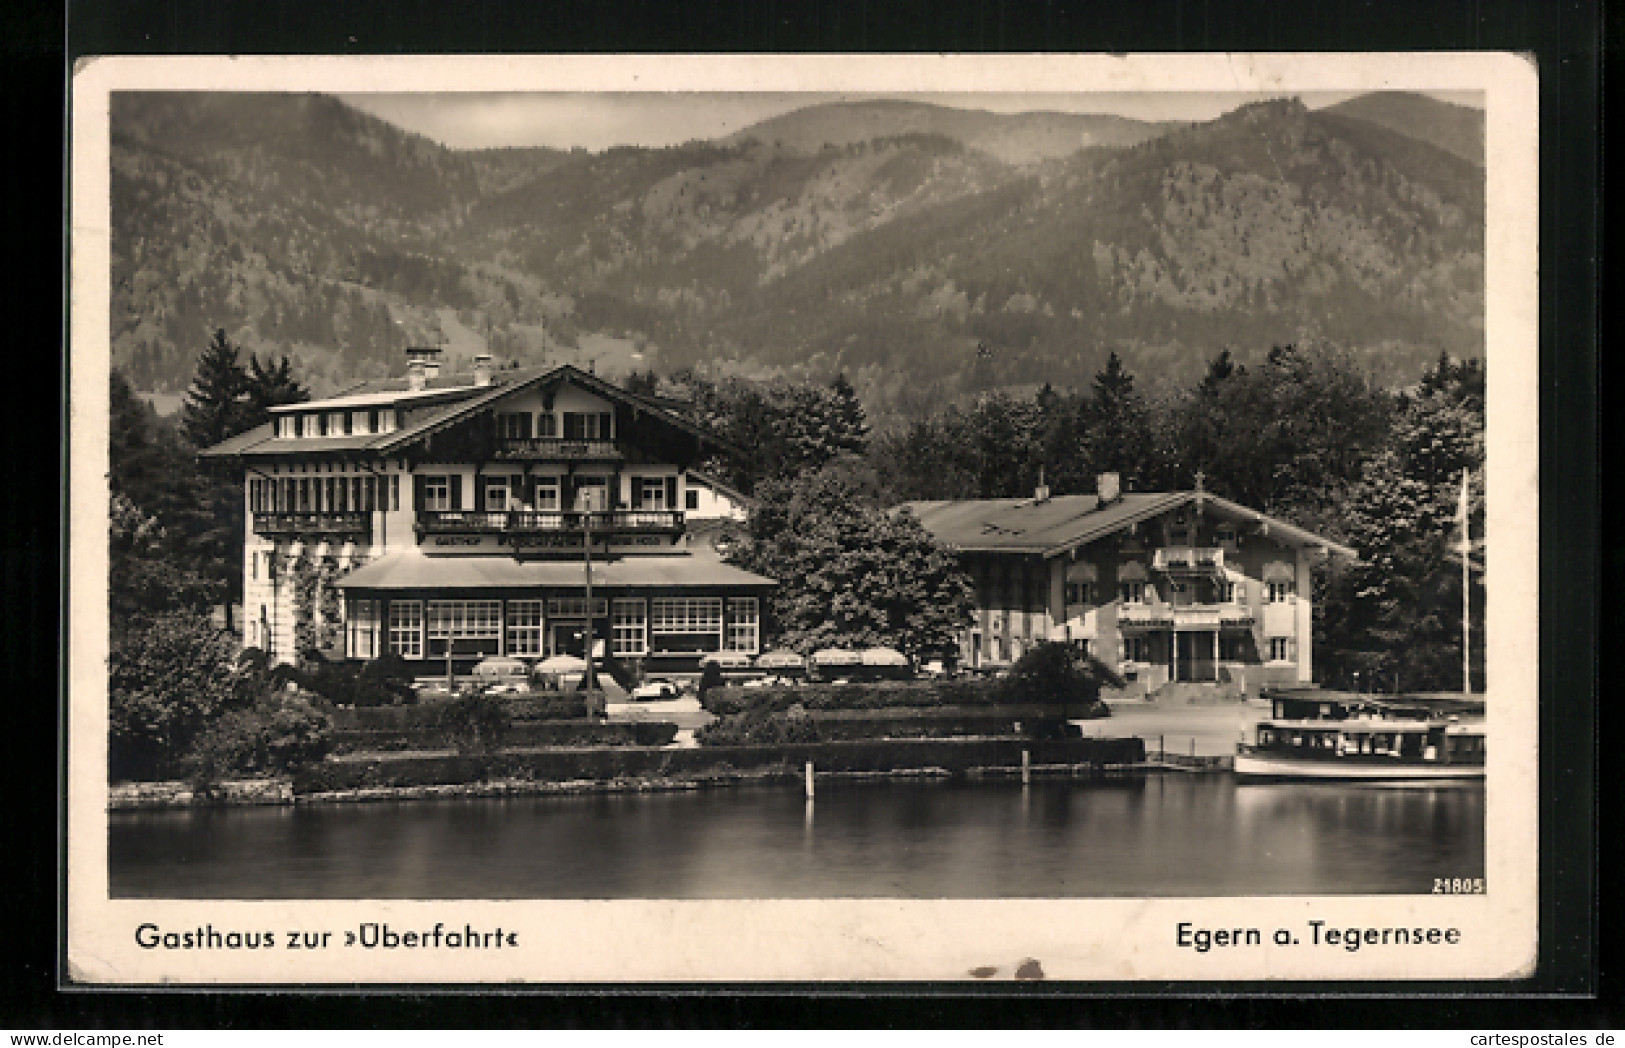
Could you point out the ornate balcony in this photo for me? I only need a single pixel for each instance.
(557, 449)
(536, 522)
(1144, 617)
(281, 524)
(1188, 560)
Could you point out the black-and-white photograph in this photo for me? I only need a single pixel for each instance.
(1053, 493)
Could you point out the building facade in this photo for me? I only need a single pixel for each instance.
(1163, 587)
(523, 513)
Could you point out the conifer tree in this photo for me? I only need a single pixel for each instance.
(216, 402)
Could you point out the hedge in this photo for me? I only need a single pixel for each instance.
(638, 762)
(756, 727)
(978, 693)
(424, 715)
(580, 732)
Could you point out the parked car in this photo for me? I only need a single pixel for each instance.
(655, 689)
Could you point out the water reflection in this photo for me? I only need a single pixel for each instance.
(1171, 835)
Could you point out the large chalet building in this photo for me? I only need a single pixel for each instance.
(500, 512)
(1164, 587)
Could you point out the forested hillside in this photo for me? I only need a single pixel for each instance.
(946, 254)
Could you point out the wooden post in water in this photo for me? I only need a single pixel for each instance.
(809, 780)
(1026, 767)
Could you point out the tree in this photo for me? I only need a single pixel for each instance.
(269, 385)
(1117, 426)
(852, 574)
(168, 676)
(1053, 672)
(216, 404)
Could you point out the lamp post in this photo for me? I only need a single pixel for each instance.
(586, 546)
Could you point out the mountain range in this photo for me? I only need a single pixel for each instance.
(928, 252)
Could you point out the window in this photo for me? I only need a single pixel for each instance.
(307, 425)
(686, 615)
(286, 426)
(596, 425)
(1230, 648)
(649, 492)
(524, 627)
(1280, 649)
(1131, 592)
(592, 494)
(629, 633)
(691, 499)
(575, 608)
(547, 492)
(449, 620)
(742, 625)
(496, 492)
(1225, 536)
(386, 420)
(437, 492)
(335, 424)
(547, 424)
(1080, 593)
(1226, 592)
(406, 628)
(1135, 650)
(360, 423)
(513, 425)
(361, 630)
(1279, 592)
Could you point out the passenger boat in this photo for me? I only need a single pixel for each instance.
(1322, 737)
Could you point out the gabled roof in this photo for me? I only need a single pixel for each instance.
(1056, 525)
(463, 402)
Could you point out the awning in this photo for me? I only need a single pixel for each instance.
(410, 570)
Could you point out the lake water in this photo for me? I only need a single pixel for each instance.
(1168, 836)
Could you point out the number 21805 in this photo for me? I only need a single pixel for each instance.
(1458, 886)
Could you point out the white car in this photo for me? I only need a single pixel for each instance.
(655, 689)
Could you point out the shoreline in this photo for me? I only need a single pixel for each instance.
(173, 796)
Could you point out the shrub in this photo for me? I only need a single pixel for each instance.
(281, 732)
(758, 728)
(474, 722)
(1053, 672)
(168, 677)
(710, 678)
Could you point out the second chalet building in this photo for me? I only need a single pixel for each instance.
(1169, 587)
(459, 513)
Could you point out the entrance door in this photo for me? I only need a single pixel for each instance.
(570, 637)
(1194, 657)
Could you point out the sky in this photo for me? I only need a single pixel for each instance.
(596, 121)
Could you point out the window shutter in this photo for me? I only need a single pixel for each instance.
(369, 488)
(516, 484)
(637, 492)
(417, 492)
(372, 421)
(671, 492)
(456, 491)
(479, 492)
(530, 492)
(604, 425)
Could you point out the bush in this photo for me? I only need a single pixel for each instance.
(758, 728)
(710, 678)
(280, 733)
(474, 722)
(1054, 672)
(875, 695)
(168, 678)
(382, 682)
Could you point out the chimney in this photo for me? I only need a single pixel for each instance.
(1108, 487)
(1041, 493)
(415, 375)
(428, 356)
(482, 369)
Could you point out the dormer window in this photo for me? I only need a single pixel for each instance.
(335, 424)
(386, 420)
(361, 422)
(287, 426)
(1225, 536)
(307, 426)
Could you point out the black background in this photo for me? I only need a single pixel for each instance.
(1567, 39)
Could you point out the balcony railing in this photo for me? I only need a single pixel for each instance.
(307, 523)
(1144, 616)
(532, 522)
(1182, 616)
(558, 449)
(1188, 559)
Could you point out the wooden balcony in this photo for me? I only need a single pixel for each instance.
(284, 524)
(538, 522)
(1188, 560)
(556, 449)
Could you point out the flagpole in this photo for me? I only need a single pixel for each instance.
(1466, 594)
